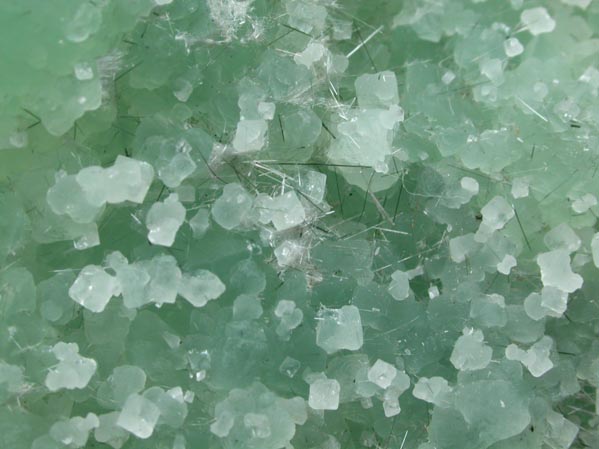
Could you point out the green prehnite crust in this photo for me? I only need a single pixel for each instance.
(299, 224)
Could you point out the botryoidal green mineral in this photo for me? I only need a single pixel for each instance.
(299, 224)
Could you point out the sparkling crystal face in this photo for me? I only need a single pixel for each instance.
(310, 224)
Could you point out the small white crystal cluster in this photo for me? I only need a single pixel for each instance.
(138, 411)
(158, 280)
(83, 195)
(381, 380)
(328, 205)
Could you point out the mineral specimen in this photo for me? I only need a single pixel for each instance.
(309, 224)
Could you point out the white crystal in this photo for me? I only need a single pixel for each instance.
(365, 137)
(200, 223)
(561, 433)
(127, 180)
(232, 208)
(66, 196)
(165, 277)
(489, 310)
(313, 53)
(448, 77)
(507, 263)
(171, 405)
(284, 307)
(377, 90)
(324, 394)
(177, 165)
(201, 287)
(492, 69)
(399, 287)
(88, 239)
(72, 371)
(289, 252)
(550, 302)
(533, 307)
(391, 406)
(339, 329)
(266, 110)
(496, 214)
(139, 416)
(290, 316)
(382, 373)
(512, 47)
(133, 279)
(93, 288)
(74, 432)
(554, 301)
(520, 188)
(434, 390)
(433, 292)
(584, 203)
(536, 358)
(312, 184)
(250, 136)
(557, 272)
(286, 211)
(470, 352)
(469, 184)
(164, 220)
(537, 21)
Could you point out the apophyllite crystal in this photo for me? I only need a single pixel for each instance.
(309, 224)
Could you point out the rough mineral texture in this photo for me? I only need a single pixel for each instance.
(309, 224)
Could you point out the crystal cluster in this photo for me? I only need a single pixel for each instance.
(309, 224)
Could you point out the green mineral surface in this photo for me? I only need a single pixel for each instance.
(309, 224)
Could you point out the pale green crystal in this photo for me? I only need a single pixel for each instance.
(138, 416)
(382, 373)
(258, 417)
(324, 394)
(72, 371)
(536, 359)
(232, 208)
(339, 329)
(201, 287)
(489, 310)
(124, 381)
(75, 431)
(435, 390)
(93, 288)
(164, 220)
(400, 285)
(470, 352)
